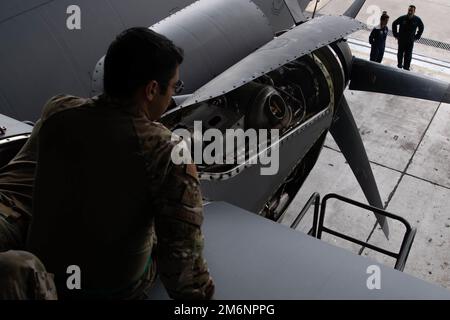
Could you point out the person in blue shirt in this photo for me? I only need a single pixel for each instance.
(411, 29)
(378, 39)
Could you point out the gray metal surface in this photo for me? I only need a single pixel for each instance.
(40, 57)
(304, 3)
(374, 77)
(277, 13)
(233, 186)
(237, 244)
(295, 10)
(355, 8)
(347, 137)
(293, 44)
(235, 29)
(13, 128)
(9, 9)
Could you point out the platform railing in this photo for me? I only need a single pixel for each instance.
(318, 227)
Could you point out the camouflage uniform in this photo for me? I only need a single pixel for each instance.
(16, 192)
(23, 277)
(109, 199)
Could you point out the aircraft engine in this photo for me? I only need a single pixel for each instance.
(283, 99)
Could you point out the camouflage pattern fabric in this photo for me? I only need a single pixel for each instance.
(23, 277)
(17, 179)
(169, 209)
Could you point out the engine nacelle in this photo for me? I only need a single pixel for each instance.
(283, 99)
(235, 28)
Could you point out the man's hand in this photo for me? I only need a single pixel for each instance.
(417, 38)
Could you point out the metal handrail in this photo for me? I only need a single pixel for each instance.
(314, 199)
(408, 238)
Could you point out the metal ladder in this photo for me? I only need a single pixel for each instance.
(318, 227)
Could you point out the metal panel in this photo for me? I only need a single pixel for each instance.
(292, 149)
(277, 13)
(12, 8)
(298, 42)
(41, 57)
(83, 47)
(235, 29)
(13, 127)
(295, 10)
(374, 77)
(34, 66)
(145, 13)
(250, 257)
(9, 9)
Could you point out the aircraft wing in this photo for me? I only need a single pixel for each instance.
(243, 249)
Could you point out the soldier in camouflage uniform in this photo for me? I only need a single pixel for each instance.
(108, 197)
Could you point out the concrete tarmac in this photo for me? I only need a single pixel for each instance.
(408, 145)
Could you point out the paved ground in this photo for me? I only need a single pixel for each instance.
(408, 144)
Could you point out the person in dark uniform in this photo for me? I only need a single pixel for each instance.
(411, 29)
(378, 39)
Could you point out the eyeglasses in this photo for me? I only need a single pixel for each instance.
(179, 86)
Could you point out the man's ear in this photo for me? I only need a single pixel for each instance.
(151, 89)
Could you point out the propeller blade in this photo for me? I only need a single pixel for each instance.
(354, 9)
(346, 134)
(295, 10)
(303, 4)
(374, 77)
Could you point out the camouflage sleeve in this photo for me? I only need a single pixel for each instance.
(179, 256)
(23, 277)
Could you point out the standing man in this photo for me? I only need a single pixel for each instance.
(411, 29)
(109, 203)
(378, 39)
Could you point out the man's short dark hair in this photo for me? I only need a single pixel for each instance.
(413, 6)
(137, 56)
